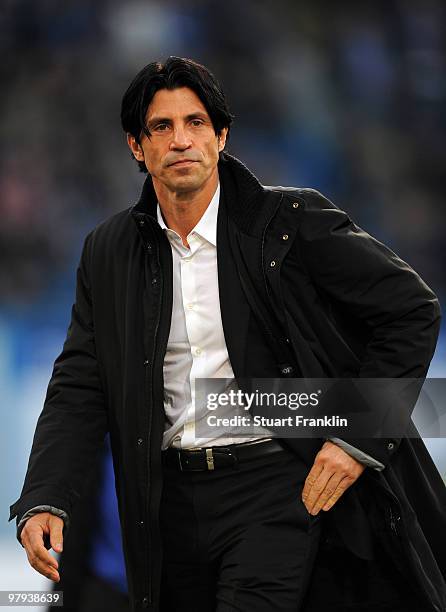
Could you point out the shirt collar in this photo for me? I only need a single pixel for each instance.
(207, 225)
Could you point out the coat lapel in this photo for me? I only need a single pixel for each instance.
(235, 311)
(233, 231)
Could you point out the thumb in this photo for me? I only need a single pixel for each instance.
(55, 524)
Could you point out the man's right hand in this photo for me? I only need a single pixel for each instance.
(33, 533)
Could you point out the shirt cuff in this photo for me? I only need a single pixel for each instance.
(36, 510)
(357, 454)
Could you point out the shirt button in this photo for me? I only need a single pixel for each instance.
(198, 351)
(190, 306)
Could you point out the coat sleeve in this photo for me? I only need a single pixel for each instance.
(376, 286)
(72, 426)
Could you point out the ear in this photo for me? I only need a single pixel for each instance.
(222, 139)
(135, 148)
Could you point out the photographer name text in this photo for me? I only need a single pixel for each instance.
(296, 420)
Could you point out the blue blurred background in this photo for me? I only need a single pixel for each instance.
(347, 97)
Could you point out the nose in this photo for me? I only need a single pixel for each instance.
(180, 139)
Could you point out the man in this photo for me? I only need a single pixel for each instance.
(232, 523)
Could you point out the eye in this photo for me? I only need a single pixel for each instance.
(161, 127)
(197, 122)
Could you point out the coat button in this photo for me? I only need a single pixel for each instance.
(272, 263)
(141, 523)
(146, 362)
(295, 204)
(390, 446)
(154, 281)
(145, 602)
(287, 370)
(140, 441)
(285, 237)
(142, 222)
(149, 247)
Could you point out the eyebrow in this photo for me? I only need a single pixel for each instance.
(156, 120)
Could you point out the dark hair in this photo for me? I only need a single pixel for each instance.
(175, 72)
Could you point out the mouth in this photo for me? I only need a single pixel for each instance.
(183, 162)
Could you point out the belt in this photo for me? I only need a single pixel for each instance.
(217, 457)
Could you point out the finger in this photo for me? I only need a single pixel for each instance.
(313, 475)
(328, 492)
(42, 567)
(340, 490)
(56, 533)
(317, 489)
(38, 551)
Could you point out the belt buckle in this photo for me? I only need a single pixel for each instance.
(210, 459)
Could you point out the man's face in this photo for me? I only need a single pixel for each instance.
(182, 152)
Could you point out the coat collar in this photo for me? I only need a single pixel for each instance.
(243, 195)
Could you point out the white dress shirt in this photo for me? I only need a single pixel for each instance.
(196, 347)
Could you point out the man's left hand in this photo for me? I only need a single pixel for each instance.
(333, 472)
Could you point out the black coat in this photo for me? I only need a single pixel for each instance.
(109, 374)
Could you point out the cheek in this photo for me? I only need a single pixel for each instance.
(212, 152)
(152, 159)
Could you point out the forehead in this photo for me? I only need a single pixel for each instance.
(175, 102)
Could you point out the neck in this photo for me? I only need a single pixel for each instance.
(182, 210)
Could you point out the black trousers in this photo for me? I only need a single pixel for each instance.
(237, 539)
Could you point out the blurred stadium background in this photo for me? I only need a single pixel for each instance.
(345, 97)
